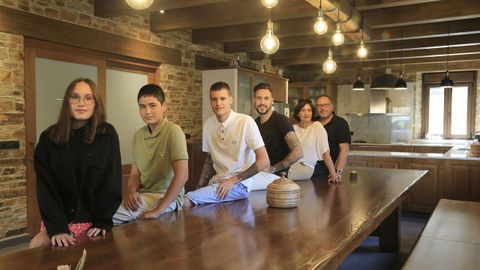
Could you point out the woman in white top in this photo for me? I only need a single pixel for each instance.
(314, 140)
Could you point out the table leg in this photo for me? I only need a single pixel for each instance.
(389, 232)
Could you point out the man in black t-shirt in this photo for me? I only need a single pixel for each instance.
(338, 135)
(280, 140)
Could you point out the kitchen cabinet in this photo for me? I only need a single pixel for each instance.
(356, 161)
(241, 82)
(462, 180)
(387, 162)
(426, 194)
(310, 90)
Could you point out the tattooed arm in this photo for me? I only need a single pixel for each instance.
(207, 171)
(295, 154)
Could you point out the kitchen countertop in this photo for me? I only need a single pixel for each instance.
(458, 152)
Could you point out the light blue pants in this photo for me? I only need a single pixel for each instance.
(208, 194)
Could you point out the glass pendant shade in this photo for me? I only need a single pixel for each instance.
(329, 66)
(321, 26)
(358, 85)
(338, 38)
(446, 80)
(269, 43)
(269, 3)
(139, 4)
(362, 51)
(401, 84)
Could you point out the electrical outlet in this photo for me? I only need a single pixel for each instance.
(9, 144)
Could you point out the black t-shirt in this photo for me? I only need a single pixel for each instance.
(273, 133)
(338, 132)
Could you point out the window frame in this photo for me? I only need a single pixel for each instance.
(464, 78)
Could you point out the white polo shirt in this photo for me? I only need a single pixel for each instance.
(314, 141)
(231, 144)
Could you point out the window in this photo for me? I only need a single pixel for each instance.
(449, 112)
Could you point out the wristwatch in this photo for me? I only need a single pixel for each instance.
(272, 169)
(339, 171)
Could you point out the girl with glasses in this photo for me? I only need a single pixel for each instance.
(78, 170)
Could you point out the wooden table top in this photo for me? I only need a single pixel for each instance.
(330, 221)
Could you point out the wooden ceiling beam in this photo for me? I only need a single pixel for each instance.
(429, 12)
(417, 56)
(114, 8)
(379, 47)
(431, 30)
(362, 5)
(228, 13)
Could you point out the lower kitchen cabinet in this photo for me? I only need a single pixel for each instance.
(462, 180)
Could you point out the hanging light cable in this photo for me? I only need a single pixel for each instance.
(269, 43)
(401, 84)
(321, 26)
(446, 80)
(329, 66)
(338, 38)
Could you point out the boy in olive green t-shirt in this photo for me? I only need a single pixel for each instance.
(160, 162)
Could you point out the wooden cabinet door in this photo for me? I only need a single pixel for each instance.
(354, 161)
(462, 181)
(426, 194)
(386, 162)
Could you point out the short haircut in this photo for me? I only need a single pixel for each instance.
(327, 96)
(150, 90)
(299, 107)
(262, 85)
(218, 86)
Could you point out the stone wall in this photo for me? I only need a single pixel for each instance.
(13, 200)
(182, 85)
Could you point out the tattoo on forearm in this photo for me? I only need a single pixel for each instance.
(295, 154)
(207, 171)
(251, 171)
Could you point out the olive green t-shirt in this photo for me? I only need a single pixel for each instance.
(154, 153)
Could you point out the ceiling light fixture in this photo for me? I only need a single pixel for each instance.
(401, 84)
(447, 82)
(329, 66)
(338, 38)
(269, 43)
(139, 4)
(362, 51)
(358, 85)
(385, 81)
(321, 26)
(269, 3)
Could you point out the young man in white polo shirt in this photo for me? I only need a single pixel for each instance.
(236, 155)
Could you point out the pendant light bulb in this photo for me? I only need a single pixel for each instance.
(139, 4)
(329, 66)
(321, 26)
(362, 51)
(269, 3)
(269, 43)
(338, 38)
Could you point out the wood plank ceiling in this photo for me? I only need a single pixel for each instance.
(418, 31)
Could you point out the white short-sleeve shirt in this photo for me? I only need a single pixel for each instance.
(231, 144)
(314, 141)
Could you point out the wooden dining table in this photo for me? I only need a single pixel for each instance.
(330, 221)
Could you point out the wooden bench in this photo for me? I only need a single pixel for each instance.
(451, 239)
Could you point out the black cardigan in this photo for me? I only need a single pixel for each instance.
(92, 193)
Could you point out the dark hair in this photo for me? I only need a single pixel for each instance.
(61, 132)
(301, 103)
(218, 86)
(150, 90)
(327, 96)
(262, 85)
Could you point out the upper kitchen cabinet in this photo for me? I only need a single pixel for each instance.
(241, 82)
(309, 90)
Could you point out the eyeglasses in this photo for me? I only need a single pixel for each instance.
(323, 105)
(88, 100)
